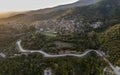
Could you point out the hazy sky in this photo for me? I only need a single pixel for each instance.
(18, 5)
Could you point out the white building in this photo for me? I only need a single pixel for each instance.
(48, 71)
(2, 55)
(118, 68)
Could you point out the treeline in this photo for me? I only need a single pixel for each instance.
(35, 64)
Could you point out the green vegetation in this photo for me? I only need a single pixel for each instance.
(78, 41)
(37, 41)
(81, 41)
(9, 34)
(35, 64)
(110, 43)
(106, 37)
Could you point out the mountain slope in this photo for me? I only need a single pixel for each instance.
(104, 11)
(110, 42)
(8, 14)
(79, 3)
(44, 14)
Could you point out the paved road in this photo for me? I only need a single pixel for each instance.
(63, 55)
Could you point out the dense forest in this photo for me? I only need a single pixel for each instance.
(34, 64)
(110, 41)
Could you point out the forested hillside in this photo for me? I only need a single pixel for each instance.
(106, 11)
(72, 30)
(110, 43)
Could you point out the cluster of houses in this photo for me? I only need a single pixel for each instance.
(108, 71)
(59, 26)
(54, 26)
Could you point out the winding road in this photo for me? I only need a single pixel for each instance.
(63, 55)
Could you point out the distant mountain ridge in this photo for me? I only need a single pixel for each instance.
(8, 14)
(79, 3)
(47, 13)
(90, 11)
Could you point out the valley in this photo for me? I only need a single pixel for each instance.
(82, 38)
